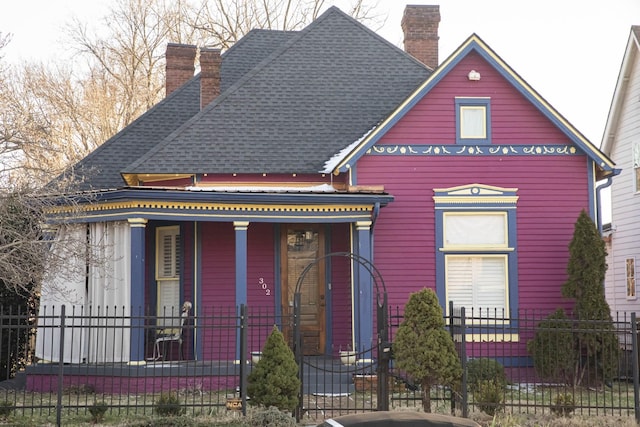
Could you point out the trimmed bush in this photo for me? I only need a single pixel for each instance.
(168, 405)
(484, 369)
(423, 348)
(270, 417)
(563, 404)
(97, 411)
(553, 349)
(273, 381)
(490, 396)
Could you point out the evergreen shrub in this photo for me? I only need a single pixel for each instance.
(484, 369)
(274, 381)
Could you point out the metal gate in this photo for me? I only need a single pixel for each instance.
(382, 346)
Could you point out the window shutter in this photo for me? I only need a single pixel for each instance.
(176, 256)
(168, 274)
(168, 263)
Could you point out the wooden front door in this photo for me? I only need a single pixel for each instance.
(301, 245)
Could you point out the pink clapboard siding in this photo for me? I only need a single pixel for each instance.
(260, 283)
(514, 120)
(218, 284)
(217, 281)
(552, 191)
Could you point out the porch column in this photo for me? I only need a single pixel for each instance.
(241, 261)
(364, 330)
(241, 272)
(137, 227)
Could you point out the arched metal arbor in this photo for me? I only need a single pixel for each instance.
(382, 347)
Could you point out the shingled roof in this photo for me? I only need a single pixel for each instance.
(290, 100)
(101, 168)
(320, 91)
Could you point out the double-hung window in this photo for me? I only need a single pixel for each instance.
(476, 242)
(168, 272)
(473, 120)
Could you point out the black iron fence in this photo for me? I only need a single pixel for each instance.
(62, 362)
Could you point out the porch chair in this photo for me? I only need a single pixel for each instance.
(172, 335)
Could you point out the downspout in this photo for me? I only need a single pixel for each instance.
(599, 189)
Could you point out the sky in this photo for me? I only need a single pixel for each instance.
(569, 51)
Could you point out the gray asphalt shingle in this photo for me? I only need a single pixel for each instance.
(318, 92)
(289, 102)
(101, 168)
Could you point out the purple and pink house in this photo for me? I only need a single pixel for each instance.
(289, 146)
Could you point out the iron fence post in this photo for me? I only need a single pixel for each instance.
(463, 360)
(60, 367)
(243, 354)
(634, 364)
(384, 354)
(297, 350)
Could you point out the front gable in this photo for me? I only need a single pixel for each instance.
(471, 75)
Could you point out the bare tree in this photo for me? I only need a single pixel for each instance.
(52, 115)
(26, 235)
(226, 21)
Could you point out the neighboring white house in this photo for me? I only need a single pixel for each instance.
(621, 142)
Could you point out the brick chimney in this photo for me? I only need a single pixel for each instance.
(420, 27)
(181, 59)
(210, 62)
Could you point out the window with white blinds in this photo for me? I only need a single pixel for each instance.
(168, 271)
(476, 252)
(478, 281)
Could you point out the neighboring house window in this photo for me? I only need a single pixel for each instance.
(631, 277)
(476, 242)
(473, 120)
(168, 270)
(636, 166)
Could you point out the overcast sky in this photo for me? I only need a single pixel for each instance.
(569, 51)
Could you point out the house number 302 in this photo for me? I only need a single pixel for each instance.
(263, 285)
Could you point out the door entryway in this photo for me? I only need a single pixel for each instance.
(302, 244)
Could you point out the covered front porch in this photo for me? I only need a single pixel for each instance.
(216, 249)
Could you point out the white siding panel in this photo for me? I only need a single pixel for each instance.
(625, 212)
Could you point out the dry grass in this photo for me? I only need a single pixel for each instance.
(544, 420)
